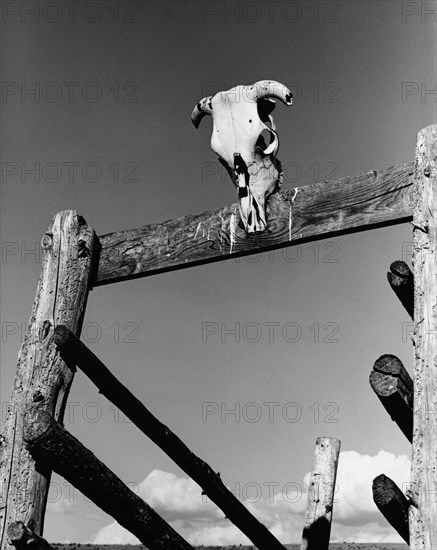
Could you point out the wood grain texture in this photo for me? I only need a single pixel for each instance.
(393, 385)
(362, 201)
(423, 525)
(392, 503)
(401, 280)
(74, 351)
(321, 491)
(42, 377)
(54, 447)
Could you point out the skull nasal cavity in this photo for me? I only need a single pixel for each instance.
(239, 165)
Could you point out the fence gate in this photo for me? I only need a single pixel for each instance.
(34, 442)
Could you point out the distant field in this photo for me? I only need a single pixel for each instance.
(334, 546)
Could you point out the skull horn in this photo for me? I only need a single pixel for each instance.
(271, 88)
(203, 108)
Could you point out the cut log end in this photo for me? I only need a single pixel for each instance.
(389, 364)
(394, 387)
(62, 336)
(392, 503)
(37, 422)
(401, 280)
(400, 268)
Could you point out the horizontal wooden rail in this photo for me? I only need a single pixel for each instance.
(74, 351)
(394, 387)
(393, 504)
(53, 446)
(302, 214)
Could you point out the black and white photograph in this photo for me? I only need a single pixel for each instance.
(218, 274)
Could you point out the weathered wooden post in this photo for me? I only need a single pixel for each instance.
(42, 377)
(423, 519)
(321, 490)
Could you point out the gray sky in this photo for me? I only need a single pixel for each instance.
(108, 132)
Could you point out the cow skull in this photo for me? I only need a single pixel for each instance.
(240, 116)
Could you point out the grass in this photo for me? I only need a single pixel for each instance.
(333, 546)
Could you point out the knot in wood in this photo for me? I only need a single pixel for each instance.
(44, 330)
(47, 240)
(83, 251)
(427, 171)
(37, 397)
(81, 220)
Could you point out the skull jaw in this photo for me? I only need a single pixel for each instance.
(255, 183)
(252, 212)
(264, 176)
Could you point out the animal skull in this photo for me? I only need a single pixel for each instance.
(240, 115)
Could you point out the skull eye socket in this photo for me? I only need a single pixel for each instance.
(265, 107)
(265, 139)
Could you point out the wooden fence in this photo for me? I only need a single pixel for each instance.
(34, 442)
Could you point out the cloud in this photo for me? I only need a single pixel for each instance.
(355, 518)
(354, 483)
(176, 498)
(114, 534)
(61, 506)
